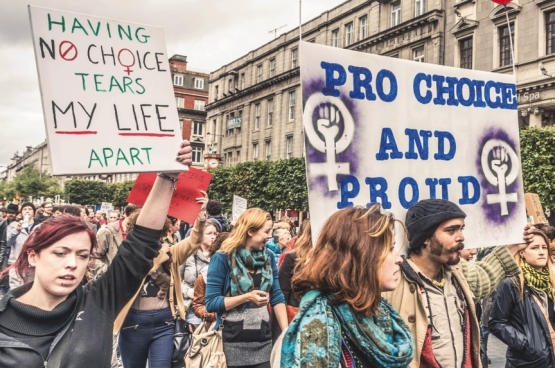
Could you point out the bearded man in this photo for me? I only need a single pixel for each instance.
(437, 291)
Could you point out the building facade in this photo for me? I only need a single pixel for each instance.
(255, 107)
(38, 156)
(191, 95)
(478, 38)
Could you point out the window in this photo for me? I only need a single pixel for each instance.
(272, 67)
(419, 7)
(363, 27)
(197, 155)
(259, 73)
(294, 57)
(550, 32)
(197, 128)
(242, 80)
(335, 37)
(292, 105)
(230, 159)
(199, 105)
(255, 151)
(270, 111)
(180, 102)
(178, 80)
(199, 83)
(268, 150)
(418, 54)
(214, 128)
(395, 13)
(257, 116)
(216, 92)
(505, 57)
(289, 146)
(230, 84)
(348, 34)
(238, 156)
(465, 50)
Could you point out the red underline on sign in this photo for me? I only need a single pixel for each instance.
(147, 134)
(76, 132)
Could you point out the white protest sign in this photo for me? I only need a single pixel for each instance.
(239, 206)
(381, 129)
(106, 207)
(107, 94)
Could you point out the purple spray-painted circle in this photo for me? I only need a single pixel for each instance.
(349, 155)
(493, 211)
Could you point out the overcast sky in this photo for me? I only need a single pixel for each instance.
(211, 33)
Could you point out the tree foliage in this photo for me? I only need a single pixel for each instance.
(31, 182)
(120, 192)
(537, 150)
(87, 192)
(269, 185)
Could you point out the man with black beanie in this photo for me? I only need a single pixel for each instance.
(437, 291)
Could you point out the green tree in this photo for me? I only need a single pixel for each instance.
(537, 150)
(269, 185)
(220, 187)
(287, 185)
(7, 190)
(86, 192)
(31, 182)
(121, 192)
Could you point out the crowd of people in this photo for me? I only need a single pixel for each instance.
(87, 289)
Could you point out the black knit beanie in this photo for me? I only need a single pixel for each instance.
(29, 204)
(425, 216)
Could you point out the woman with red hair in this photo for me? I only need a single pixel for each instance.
(54, 321)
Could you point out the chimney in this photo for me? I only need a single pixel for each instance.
(178, 63)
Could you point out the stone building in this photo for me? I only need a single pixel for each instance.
(477, 37)
(255, 106)
(191, 95)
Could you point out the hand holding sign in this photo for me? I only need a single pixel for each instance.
(184, 204)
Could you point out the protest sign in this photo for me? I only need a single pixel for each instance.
(534, 208)
(106, 207)
(393, 131)
(107, 94)
(239, 206)
(183, 204)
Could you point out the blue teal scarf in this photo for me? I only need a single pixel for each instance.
(240, 261)
(313, 338)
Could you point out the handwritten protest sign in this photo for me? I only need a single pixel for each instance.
(534, 208)
(239, 206)
(393, 131)
(183, 204)
(107, 94)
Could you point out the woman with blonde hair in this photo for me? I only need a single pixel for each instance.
(343, 321)
(242, 279)
(522, 315)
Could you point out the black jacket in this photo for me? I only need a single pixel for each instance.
(86, 340)
(4, 249)
(521, 325)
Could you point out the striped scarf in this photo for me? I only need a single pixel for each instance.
(539, 280)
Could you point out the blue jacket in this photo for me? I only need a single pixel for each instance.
(273, 246)
(218, 284)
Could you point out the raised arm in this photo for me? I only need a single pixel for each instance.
(484, 276)
(134, 258)
(188, 246)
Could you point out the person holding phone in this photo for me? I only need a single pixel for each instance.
(242, 279)
(18, 232)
